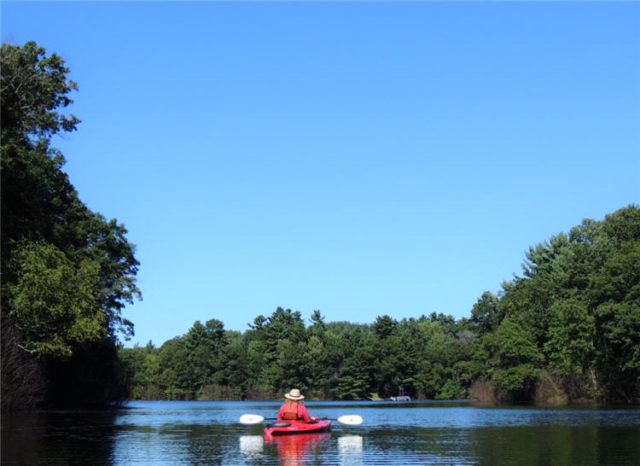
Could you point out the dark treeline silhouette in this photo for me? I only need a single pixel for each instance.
(66, 271)
(567, 330)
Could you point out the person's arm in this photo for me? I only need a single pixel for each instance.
(304, 414)
(280, 413)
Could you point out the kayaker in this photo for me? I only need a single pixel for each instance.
(294, 409)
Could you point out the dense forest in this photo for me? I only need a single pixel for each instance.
(566, 330)
(67, 272)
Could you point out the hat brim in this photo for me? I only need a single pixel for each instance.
(294, 398)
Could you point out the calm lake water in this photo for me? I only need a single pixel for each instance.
(398, 433)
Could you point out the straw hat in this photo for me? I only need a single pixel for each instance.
(294, 395)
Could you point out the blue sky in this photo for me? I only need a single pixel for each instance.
(357, 158)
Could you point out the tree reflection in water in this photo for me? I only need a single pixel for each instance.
(54, 437)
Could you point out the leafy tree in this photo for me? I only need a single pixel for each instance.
(34, 89)
(570, 346)
(439, 351)
(67, 272)
(615, 293)
(176, 380)
(39, 204)
(575, 312)
(54, 300)
(515, 355)
(142, 371)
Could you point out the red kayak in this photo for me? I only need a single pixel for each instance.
(297, 427)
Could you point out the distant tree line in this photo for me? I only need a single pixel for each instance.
(337, 360)
(566, 330)
(67, 272)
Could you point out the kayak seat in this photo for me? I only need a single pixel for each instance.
(279, 424)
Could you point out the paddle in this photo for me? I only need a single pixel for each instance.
(349, 419)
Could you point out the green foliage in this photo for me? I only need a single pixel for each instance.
(575, 311)
(337, 360)
(354, 375)
(175, 374)
(486, 314)
(516, 378)
(514, 356)
(574, 315)
(67, 272)
(40, 206)
(53, 299)
(203, 345)
(33, 90)
(570, 347)
(452, 389)
(512, 344)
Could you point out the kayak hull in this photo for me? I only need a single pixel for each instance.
(297, 427)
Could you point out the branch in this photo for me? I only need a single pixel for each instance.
(25, 349)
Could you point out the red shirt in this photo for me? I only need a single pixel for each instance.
(291, 410)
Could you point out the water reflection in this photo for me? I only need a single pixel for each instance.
(251, 446)
(298, 449)
(556, 445)
(54, 437)
(209, 433)
(350, 449)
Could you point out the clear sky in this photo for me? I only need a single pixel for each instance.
(357, 158)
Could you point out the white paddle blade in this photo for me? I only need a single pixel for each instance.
(251, 419)
(350, 419)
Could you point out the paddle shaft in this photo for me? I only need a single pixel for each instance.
(285, 420)
(351, 419)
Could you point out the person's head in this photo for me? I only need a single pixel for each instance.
(294, 395)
